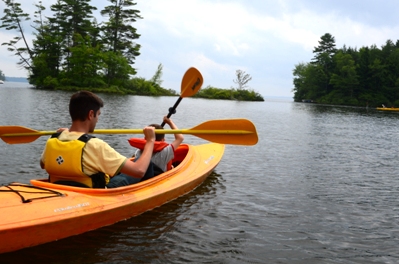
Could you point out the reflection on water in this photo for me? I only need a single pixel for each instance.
(319, 187)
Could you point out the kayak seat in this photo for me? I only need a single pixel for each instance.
(72, 183)
(180, 154)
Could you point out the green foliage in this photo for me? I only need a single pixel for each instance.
(85, 63)
(12, 20)
(210, 92)
(50, 82)
(71, 49)
(72, 52)
(156, 79)
(344, 77)
(240, 94)
(141, 86)
(246, 95)
(119, 67)
(325, 51)
(118, 32)
(365, 77)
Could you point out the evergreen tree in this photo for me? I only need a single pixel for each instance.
(85, 64)
(364, 69)
(72, 19)
(345, 78)
(326, 45)
(46, 46)
(365, 77)
(12, 20)
(324, 57)
(119, 34)
(307, 77)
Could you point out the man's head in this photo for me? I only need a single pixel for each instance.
(82, 103)
(158, 137)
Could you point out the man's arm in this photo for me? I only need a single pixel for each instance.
(138, 169)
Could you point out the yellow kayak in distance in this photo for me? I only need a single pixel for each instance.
(388, 109)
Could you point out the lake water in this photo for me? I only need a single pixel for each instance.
(321, 186)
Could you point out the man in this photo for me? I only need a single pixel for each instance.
(73, 157)
(163, 152)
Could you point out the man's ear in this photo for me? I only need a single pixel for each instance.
(90, 115)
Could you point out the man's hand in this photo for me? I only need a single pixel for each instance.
(62, 129)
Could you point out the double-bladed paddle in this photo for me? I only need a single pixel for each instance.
(224, 131)
(190, 85)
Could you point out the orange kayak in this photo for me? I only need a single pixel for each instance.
(43, 212)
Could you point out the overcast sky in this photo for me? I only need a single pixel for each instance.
(264, 38)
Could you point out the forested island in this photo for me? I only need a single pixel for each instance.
(72, 51)
(368, 76)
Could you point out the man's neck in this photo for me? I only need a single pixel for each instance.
(78, 126)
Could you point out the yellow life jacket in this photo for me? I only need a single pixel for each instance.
(63, 162)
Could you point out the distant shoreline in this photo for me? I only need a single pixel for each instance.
(16, 79)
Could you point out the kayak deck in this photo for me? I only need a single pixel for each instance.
(43, 212)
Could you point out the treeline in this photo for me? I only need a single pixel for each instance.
(71, 49)
(210, 92)
(368, 76)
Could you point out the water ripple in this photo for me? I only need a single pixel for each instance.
(319, 187)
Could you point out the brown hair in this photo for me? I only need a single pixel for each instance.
(158, 137)
(81, 103)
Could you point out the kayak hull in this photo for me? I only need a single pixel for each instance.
(51, 212)
(388, 109)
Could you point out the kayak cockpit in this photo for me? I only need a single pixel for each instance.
(182, 155)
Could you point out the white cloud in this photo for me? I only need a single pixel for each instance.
(266, 38)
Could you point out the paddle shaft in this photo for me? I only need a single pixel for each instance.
(173, 109)
(140, 131)
(191, 83)
(228, 131)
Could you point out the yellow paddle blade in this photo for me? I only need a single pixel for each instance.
(224, 131)
(227, 131)
(20, 135)
(191, 83)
